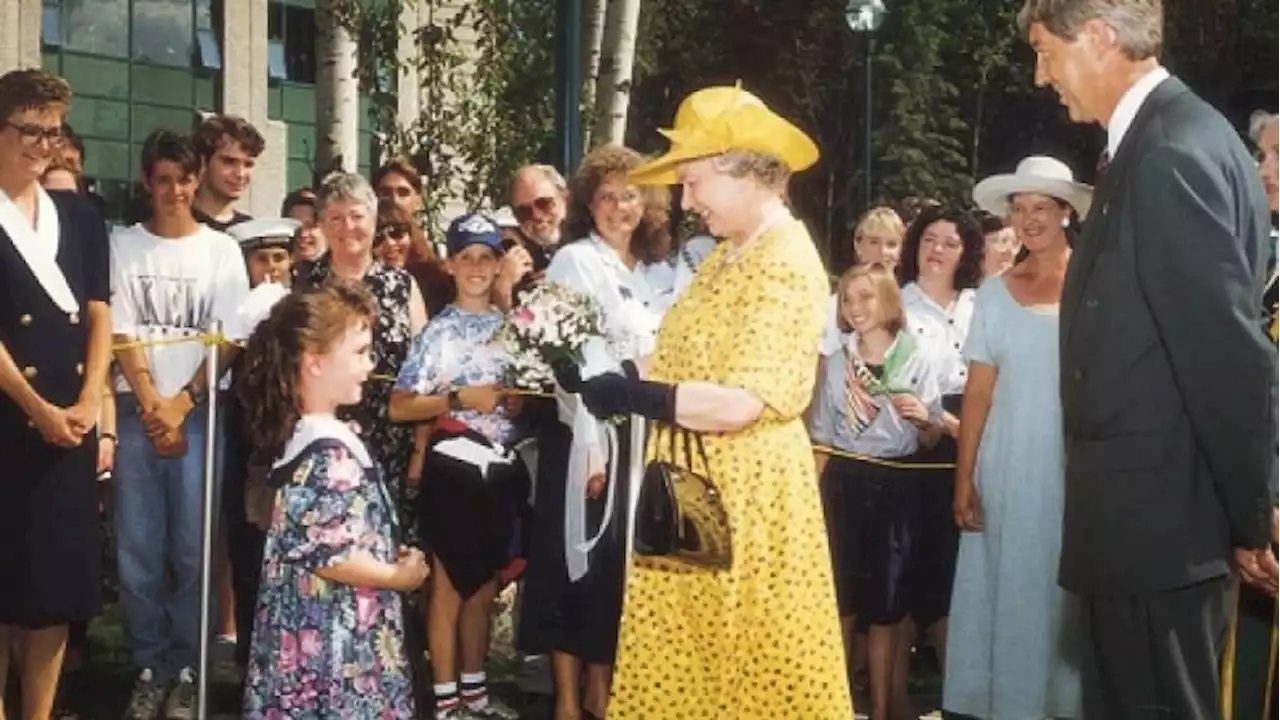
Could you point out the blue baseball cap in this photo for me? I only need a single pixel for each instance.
(472, 229)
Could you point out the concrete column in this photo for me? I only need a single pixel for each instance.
(244, 93)
(337, 94)
(19, 34)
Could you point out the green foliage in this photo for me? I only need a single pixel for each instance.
(483, 69)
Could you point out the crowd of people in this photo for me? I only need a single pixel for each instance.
(1034, 431)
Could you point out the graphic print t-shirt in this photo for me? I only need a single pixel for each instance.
(166, 289)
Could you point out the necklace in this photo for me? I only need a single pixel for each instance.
(773, 218)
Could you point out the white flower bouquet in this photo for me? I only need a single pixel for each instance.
(550, 323)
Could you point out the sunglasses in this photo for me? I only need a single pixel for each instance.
(31, 135)
(395, 232)
(524, 213)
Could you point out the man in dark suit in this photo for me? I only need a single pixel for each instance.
(1168, 385)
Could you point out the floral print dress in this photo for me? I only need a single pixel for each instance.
(323, 649)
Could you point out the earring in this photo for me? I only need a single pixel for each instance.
(1066, 222)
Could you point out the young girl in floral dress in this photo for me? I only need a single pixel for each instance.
(328, 630)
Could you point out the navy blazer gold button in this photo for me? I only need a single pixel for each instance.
(1077, 375)
(1091, 303)
(74, 318)
(25, 320)
(28, 372)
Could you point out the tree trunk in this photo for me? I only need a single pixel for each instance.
(592, 43)
(618, 52)
(981, 92)
(337, 94)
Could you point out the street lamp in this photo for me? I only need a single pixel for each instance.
(568, 70)
(864, 18)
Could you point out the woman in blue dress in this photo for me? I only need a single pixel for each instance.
(328, 637)
(1012, 628)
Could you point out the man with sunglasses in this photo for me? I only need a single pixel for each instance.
(539, 201)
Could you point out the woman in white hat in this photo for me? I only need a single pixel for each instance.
(1011, 626)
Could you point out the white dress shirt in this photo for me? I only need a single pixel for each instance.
(1127, 109)
(669, 279)
(943, 329)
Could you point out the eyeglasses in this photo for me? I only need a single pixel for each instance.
(951, 244)
(627, 197)
(395, 233)
(31, 134)
(544, 205)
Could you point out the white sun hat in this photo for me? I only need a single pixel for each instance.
(1037, 174)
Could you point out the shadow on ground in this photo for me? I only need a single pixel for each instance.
(101, 689)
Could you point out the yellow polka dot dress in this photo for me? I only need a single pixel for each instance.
(761, 640)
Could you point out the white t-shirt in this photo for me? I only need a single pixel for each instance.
(170, 288)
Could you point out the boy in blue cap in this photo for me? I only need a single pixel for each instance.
(467, 508)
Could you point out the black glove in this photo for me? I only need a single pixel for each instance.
(567, 375)
(615, 394)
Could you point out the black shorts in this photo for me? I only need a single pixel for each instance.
(893, 540)
(468, 517)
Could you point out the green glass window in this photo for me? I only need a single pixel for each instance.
(98, 27)
(163, 32)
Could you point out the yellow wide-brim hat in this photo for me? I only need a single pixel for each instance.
(715, 120)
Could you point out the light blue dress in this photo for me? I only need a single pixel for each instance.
(1012, 633)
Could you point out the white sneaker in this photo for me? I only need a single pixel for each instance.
(146, 697)
(181, 704)
(494, 709)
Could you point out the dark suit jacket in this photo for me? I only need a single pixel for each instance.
(1168, 385)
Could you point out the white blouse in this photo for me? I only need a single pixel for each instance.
(632, 310)
(945, 329)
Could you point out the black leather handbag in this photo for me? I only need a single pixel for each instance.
(681, 522)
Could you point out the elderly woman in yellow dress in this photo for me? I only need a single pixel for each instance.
(735, 362)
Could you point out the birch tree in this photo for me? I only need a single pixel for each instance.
(592, 41)
(617, 58)
(337, 91)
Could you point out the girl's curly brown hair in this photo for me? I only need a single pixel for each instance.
(267, 386)
(651, 241)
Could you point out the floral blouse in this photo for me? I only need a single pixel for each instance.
(323, 649)
(456, 349)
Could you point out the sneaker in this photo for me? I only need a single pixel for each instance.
(181, 704)
(494, 709)
(144, 701)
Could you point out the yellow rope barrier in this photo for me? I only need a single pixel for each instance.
(219, 339)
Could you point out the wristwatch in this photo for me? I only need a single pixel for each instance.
(455, 401)
(190, 390)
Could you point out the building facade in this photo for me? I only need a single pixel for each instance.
(138, 65)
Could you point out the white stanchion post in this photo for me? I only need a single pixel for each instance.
(207, 519)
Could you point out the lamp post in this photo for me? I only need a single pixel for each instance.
(864, 18)
(568, 69)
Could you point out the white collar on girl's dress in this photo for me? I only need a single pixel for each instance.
(38, 246)
(323, 427)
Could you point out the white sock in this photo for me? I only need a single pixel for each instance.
(474, 692)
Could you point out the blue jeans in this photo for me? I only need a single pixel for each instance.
(158, 521)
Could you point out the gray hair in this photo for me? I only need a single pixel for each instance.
(1258, 123)
(549, 172)
(1138, 24)
(345, 187)
(769, 170)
